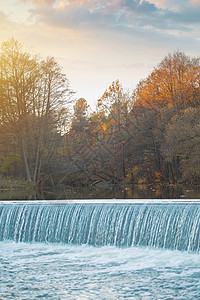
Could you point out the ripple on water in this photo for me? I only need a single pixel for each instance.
(53, 271)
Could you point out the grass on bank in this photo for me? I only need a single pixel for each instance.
(8, 183)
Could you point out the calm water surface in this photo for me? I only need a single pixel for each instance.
(53, 271)
(129, 192)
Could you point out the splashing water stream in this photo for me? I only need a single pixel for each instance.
(100, 251)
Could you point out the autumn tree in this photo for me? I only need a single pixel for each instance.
(32, 90)
(151, 136)
(75, 145)
(171, 87)
(180, 146)
(115, 102)
(174, 82)
(114, 135)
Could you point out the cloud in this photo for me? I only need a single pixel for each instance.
(126, 15)
(3, 18)
(196, 2)
(115, 13)
(41, 3)
(159, 21)
(5, 23)
(97, 41)
(159, 3)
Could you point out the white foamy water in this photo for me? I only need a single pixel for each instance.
(169, 226)
(57, 271)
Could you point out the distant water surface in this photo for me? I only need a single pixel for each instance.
(129, 192)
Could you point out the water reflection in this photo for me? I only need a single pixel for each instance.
(129, 192)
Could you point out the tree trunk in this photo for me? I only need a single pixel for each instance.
(28, 174)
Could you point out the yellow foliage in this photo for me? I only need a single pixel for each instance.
(158, 176)
(104, 127)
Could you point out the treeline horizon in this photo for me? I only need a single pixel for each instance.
(147, 135)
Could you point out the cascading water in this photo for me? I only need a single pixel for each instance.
(169, 226)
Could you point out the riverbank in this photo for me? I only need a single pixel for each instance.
(9, 184)
(20, 189)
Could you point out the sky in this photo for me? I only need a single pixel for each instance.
(97, 42)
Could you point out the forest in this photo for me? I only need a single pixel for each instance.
(147, 135)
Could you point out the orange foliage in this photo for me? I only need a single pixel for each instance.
(175, 81)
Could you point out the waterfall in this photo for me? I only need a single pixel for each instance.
(170, 226)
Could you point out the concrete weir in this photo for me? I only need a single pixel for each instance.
(123, 223)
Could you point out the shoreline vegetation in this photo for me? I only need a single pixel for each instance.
(146, 136)
(13, 184)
